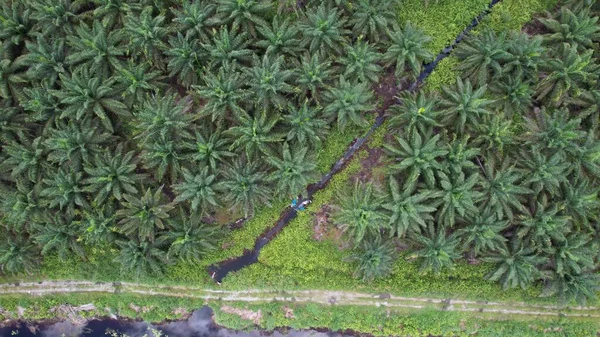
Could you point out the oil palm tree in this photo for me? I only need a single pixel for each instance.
(139, 258)
(65, 189)
(111, 175)
(113, 12)
(347, 102)
(461, 156)
(555, 131)
(244, 13)
(163, 117)
(280, 38)
(361, 213)
(567, 73)
(246, 186)
(305, 125)
(199, 188)
(269, 81)
(482, 56)
(75, 143)
(24, 159)
(17, 24)
(459, 197)
(184, 56)
(409, 209)
(41, 105)
(44, 61)
(463, 106)
(191, 239)
(361, 62)
(495, 134)
(483, 233)
(580, 200)
(313, 74)
(587, 162)
(22, 206)
(208, 151)
(147, 33)
(580, 28)
(293, 171)
(84, 95)
(10, 80)
(544, 227)
(544, 172)
(18, 255)
(375, 259)
(407, 50)
(513, 96)
(142, 216)
(228, 45)
(135, 81)
(438, 250)
(12, 122)
(417, 155)
(96, 48)
(372, 18)
(323, 30)
(99, 225)
(59, 233)
(527, 56)
(254, 135)
(503, 191)
(195, 19)
(223, 93)
(416, 113)
(574, 255)
(588, 104)
(515, 265)
(573, 287)
(164, 157)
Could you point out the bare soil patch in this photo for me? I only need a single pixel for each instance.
(254, 316)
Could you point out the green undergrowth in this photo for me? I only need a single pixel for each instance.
(506, 15)
(514, 14)
(441, 20)
(383, 321)
(155, 308)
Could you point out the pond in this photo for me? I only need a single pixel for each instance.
(199, 324)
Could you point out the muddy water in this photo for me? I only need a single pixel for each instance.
(221, 270)
(199, 324)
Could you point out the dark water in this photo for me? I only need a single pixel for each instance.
(200, 324)
(220, 270)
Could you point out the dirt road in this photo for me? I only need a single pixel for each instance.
(324, 297)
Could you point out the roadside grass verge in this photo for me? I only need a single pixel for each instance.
(382, 321)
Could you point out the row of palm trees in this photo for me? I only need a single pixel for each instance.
(501, 167)
(124, 123)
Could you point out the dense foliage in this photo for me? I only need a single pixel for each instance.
(502, 166)
(127, 125)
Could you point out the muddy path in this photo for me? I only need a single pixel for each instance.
(322, 297)
(221, 269)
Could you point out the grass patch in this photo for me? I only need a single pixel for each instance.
(158, 308)
(441, 20)
(383, 321)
